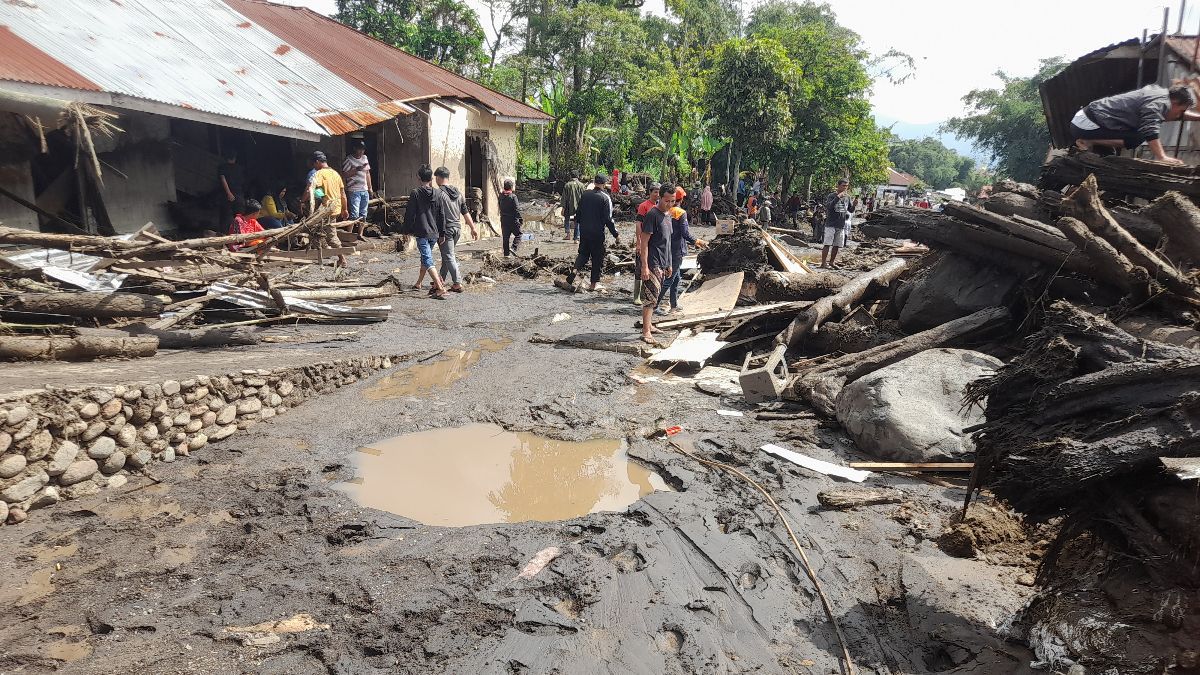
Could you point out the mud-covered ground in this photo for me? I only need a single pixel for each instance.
(174, 572)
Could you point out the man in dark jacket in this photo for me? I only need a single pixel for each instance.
(1125, 121)
(593, 216)
(572, 193)
(510, 219)
(425, 219)
(837, 223)
(455, 209)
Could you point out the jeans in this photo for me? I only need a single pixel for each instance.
(671, 284)
(449, 262)
(591, 249)
(425, 248)
(358, 203)
(571, 226)
(271, 223)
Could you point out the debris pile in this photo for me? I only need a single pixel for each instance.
(81, 297)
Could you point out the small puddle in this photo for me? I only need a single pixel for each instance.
(422, 378)
(482, 473)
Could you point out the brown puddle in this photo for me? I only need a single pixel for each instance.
(482, 473)
(422, 378)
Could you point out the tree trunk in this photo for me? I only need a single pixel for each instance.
(737, 172)
(821, 384)
(191, 339)
(94, 304)
(1110, 266)
(780, 286)
(811, 319)
(808, 189)
(1180, 221)
(82, 346)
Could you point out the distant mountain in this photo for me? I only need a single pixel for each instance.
(919, 131)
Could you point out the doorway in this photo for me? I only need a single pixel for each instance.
(478, 168)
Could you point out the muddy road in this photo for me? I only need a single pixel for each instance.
(252, 555)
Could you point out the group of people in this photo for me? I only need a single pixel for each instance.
(435, 214)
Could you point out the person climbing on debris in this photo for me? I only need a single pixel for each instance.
(654, 255)
(572, 192)
(838, 211)
(510, 218)
(245, 221)
(425, 219)
(1125, 121)
(681, 236)
(593, 216)
(357, 172)
(454, 207)
(649, 203)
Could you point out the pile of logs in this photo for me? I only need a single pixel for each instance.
(130, 296)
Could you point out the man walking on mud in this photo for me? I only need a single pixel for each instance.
(425, 219)
(593, 216)
(510, 219)
(643, 208)
(572, 193)
(454, 207)
(837, 223)
(654, 256)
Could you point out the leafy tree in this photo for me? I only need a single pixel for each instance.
(446, 32)
(1008, 122)
(931, 161)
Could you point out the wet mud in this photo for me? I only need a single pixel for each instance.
(199, 566)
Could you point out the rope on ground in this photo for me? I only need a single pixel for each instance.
(847, 662)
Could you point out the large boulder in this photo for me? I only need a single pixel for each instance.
(912, 410)
(952, 288)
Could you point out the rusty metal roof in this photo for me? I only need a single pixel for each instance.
(219, 61)
(377, 68)
(1103, 72)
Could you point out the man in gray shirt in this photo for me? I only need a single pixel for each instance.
(356, 171)
(1125, 121)
(837, 221)
(455, 209)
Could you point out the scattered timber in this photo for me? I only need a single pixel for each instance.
(776, 286)
(1180, 222)
(811, 319)
(78, 345)
(93, 304)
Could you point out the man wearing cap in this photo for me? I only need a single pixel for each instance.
(593, 216)
(1125, 121)
(454, 208)
(357, 172)
(837, 222)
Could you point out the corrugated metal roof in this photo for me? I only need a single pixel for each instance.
(198, 55)
(377, 68)
(24, 62)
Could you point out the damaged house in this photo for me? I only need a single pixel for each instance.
(270, 82)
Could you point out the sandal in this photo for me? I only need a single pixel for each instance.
(456, 288)
(437, 296)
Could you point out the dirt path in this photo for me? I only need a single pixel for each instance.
(175, 574)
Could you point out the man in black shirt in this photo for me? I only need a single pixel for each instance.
(232, 184)
(654, 256)
(592, 215)
(510, 218)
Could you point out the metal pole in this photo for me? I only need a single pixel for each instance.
(1141, 58)
(1182, 9)
(1162, 48)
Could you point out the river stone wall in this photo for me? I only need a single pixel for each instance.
(67, 443)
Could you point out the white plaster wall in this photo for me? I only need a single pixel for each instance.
(448, 139)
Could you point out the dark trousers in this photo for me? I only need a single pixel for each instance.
(511, 231)
(591, 248)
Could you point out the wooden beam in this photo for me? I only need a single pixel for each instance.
(916, 467)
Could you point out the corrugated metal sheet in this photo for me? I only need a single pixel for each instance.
(23, 62)
(1092, 76)
(387, 73)
(198, 55)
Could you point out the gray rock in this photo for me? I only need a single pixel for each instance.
(39, 446)
(168, 455)
(223, 433)
(11, 465)
(285, 387)
(79, 471)
(911, 411)
(161, 408)
(117, 481)
(26, 487)
(3, 511)
(158, 444)
(113, 407)
(227, 415)
(194, 425)
(18, 415)
(178, 437)
(74, 429)
(16, 516)
(188, 384)
(216, 404)
(196, 394)
(100, 396)
(114, 463)
(47, 497)
(5, 440)
(139, 459)
(182, 419)
(208, 419)
(954, 287)
(102, 448)
(82, 489)
(115, 424)
(62, 458)
(255, 382)
(152, 392)
(170, 388)
(127, 436)
(89, 410)
(266, 413)
(182, 450)
(119, 390)
(26, 430)
(141, 413)
(132, 395)
(93, 431)
(148, 433)
(177, 402)
(248, 406)
(196, 442)
(274, 400)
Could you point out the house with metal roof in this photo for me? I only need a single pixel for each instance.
(192, 81)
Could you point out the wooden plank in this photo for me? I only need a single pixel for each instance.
(914, 466)
(718, 294)
(737, 313)
(292, 256)
(786, 259)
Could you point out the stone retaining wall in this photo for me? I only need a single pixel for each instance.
(67, 443)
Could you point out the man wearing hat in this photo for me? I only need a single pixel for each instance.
(1125, 121)
(837, 223)
(593, 216)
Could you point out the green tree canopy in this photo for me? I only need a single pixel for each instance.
(446, 32)
(931, 161)
(1008, 122)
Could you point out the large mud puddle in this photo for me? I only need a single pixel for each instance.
(482, 473)
(451, 366)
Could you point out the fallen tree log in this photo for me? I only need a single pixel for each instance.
(92, 304)
(599, 341)
(821, 384)
(1180, 222)
(82, 243)
(1011, 225)
(1085, 203)
(200, 337)
(1111, 266)
(811, 319)
(784, 286)
(76, 346)
(1120, 176)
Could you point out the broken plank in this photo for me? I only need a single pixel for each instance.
(736, 313)
(718, 294)
(818, 465)
(914, 466)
